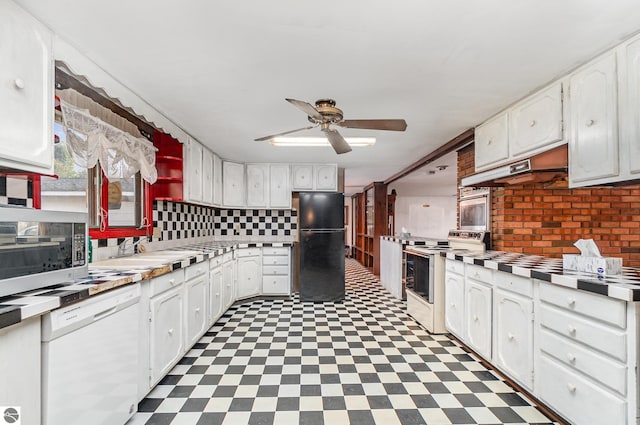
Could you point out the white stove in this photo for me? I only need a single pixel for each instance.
(424, 274)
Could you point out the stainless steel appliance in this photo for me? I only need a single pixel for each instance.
(475, 208)
(321, 221)
(40, 248)
(425, 270)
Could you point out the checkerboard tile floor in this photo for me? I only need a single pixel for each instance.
(361, 361)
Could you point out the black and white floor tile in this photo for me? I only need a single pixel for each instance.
(361, 361)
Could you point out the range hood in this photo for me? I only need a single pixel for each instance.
(543, 167)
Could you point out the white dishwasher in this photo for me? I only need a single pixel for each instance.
(90, 360)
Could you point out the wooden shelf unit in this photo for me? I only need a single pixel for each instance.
(368, 232)
(169, 186)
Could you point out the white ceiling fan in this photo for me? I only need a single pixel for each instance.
(325, 114)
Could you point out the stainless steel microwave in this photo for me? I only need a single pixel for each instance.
(40, 248)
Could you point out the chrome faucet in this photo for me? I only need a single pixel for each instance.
(122, 248)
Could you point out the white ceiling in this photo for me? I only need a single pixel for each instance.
(221, 70)
(439, 178)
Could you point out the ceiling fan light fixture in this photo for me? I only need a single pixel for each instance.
(320, 141)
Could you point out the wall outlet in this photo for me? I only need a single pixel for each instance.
(157, 232)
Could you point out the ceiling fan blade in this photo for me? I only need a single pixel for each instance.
(337, 141)
(273, 136)
(392, 125)
(307, 108)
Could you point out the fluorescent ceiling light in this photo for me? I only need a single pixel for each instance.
(320, 141)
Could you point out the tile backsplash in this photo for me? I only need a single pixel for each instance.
(16, 190)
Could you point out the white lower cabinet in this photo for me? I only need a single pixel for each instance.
(228, 279)
(276, 271)
(249, 273)
(216, 288)
(196, 288)
(391, 267)
(166, 338)
(513, 349)
(454, 298)
(478, 324)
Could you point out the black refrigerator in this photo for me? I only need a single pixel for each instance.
(321, 223)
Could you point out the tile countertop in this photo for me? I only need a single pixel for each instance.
(16, 308)
(625, 286)
(416, 240)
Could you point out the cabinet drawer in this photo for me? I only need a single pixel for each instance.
(518, 284)
(216, 261)
(248, 252)
(275, 270)
(455, 266)
(578, 358)
(227, 257)
(165, 282)
(195, 270)
(275, 285)
(575, 397)
(276, 260)
(591, 305)
(479, 273)
(275, 251)
(588, 332)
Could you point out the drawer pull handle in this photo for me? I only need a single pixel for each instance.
(571, 302)
(218, 294)
(475, 318)
(197, 310)
(532, 123)
(19, 83)
(511, 336)
(572, 329)
(170, 331)
(172, 281)
(589, 123)
(571, 358)
(571, 388)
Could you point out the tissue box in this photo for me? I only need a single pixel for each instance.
(597, 265)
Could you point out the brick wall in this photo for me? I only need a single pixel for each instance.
(534, 219)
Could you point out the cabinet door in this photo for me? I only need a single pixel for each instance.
(513, 352)
(536, 122)
(302, 176)
(193, 171)
(492, 142)
(326, 177)
(196, 309)
(207, 176)
(279, 186)
(249, 276)
(228, 279)
(233, 183)
(454, 308)
(593, 145)
(26, 110)
(217, 180)
(166, 334)
(631, 91)
(216, 288)
(257, 185)
(478, 317)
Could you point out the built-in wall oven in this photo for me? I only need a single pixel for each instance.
(40, 248)
(475, 208)
(419, 271)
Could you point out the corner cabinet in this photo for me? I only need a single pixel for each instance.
(26, 110)
(193, 171)
(233, 184)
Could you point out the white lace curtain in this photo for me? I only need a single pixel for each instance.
(119, 153)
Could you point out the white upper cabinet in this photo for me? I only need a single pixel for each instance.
(326, 176)
(279, 186)
(233, 184)
(26, 90)
(492, 142)
(322, 177)
(302, 176)
(258, 185)
(536, 122)
(217, 180)
(193, 171)
(593, 146)
(630, 105)
(207, 176)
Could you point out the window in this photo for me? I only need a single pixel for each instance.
(116, 207)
